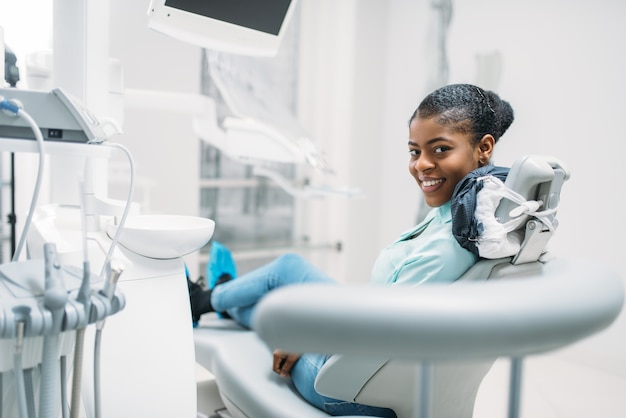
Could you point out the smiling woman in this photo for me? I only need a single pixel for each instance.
(452, 133)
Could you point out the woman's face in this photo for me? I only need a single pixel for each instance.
(440, 158)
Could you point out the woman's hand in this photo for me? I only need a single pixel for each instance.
(283, 362)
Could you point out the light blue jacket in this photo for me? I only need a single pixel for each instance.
(427, 253)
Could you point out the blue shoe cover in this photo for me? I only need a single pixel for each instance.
(220, 262)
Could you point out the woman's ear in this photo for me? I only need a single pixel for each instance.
(485, 148)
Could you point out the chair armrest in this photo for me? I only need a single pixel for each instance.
(565, 301)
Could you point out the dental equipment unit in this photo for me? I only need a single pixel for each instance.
(44, 301)
(53, 308)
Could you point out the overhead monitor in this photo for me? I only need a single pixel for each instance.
(250, 27)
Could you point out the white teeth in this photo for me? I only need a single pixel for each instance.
(429, 183)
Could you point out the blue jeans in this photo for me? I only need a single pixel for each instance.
(304, 373)
(239, 298)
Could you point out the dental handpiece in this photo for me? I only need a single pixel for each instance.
(115, 271)
(55, 296)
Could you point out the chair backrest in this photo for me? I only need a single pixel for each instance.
(454, 385)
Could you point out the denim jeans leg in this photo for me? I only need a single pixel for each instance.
(239, 297)
(303, 375)
(305, 372)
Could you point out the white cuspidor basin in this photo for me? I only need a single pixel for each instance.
(163, 236)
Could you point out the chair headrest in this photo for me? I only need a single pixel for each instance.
(497, 212)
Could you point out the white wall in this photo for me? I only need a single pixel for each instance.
(358, 90)
(335, 63)
(563, 72)
(163, 143)
(164, 146)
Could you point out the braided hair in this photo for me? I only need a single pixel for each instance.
(467, 109)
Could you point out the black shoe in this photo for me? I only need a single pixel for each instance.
(225, 277)
(200, 300)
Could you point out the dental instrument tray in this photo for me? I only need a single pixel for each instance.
(59, 116)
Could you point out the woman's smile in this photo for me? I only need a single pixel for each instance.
(430, 185)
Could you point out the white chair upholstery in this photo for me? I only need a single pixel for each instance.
(242, 365)
(390, 345)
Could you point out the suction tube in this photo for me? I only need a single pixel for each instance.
(19, 371)
(129, 199)
(55, 298)
(115, 271)
(84, 297)
(64, 405)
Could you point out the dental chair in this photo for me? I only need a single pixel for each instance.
(421, 351)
